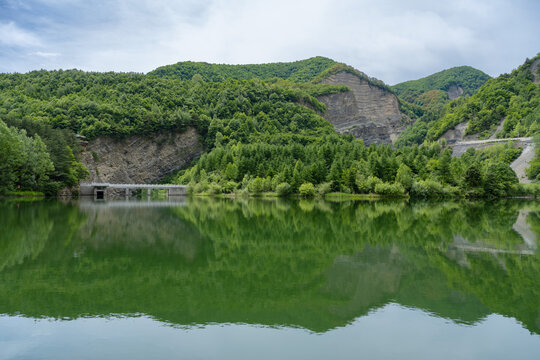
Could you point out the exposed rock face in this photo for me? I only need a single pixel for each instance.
(456, 134)
(535, 69)
(454, 92)
(366, 111)
(140, 159)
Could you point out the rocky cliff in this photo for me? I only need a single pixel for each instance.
(454, 91)
(368, 112)
(140, 159)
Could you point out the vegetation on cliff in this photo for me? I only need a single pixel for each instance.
(118, 104)
(310, 71)
(514, 98)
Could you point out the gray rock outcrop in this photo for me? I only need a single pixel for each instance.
(368, 112)
(140, 159)
(454, 92)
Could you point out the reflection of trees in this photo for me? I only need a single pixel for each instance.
(313, 263)
(27, 227)
(146, 230)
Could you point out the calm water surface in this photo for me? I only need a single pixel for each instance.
(269, 279)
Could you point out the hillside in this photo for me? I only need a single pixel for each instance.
(51, 106)
(506, 106)
(254, 136)
(457, 81)
(297, 71)
(513, 98)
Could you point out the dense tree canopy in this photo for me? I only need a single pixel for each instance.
(297, 71)
(259, 135)
(467, 78)
(513, 98)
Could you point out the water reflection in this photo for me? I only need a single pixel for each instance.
(310, 264)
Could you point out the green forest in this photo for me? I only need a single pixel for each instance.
(297, 71)
(263, 129)
(465, 77)
(511, 99)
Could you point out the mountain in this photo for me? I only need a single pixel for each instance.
(457, 81)
(506, 106)
(251, 135)
(366, 108)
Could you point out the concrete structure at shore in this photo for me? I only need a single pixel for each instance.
(100, 191)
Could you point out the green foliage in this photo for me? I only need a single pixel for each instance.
(307, 190)
(472, 177)
(120, 105)
(25, 163)
(297, 71)
(533, 171)
(500, 179)
(392, 190)
(257, 134)
(256, 186)
(513, 97)
(428, 189)
(428, 108)
(283, 189)
(405, 177)
(466, 77)
(324, 188)
(337, 163)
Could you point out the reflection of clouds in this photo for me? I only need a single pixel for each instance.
(20, 336)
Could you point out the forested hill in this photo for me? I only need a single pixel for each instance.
(512, 100)
(41, 111)
(297, 71)
(466, 78)
(259, 136)
(312, 70)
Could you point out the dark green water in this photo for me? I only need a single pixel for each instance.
(269, 279)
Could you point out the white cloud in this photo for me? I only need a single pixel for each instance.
(45, 54)
(389, 39)
(12, 35)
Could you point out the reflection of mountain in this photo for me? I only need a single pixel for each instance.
(313, 264)
(379, 275)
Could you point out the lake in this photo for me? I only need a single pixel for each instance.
(202, 278)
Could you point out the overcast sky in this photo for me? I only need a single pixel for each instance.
(393, 40)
